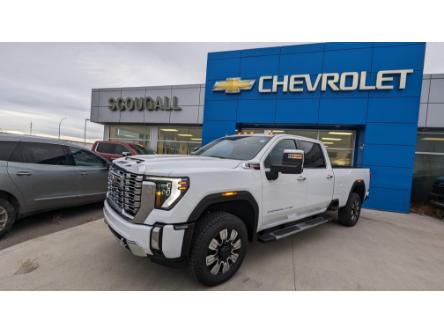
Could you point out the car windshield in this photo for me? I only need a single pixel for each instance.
(140, 149)
(234, 147)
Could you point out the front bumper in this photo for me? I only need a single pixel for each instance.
(175, 239)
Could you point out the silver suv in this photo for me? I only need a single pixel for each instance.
(38, 175)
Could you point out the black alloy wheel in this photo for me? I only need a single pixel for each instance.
(219, 247)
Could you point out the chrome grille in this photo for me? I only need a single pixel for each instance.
(124, 191)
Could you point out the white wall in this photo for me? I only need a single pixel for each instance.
(431, 113)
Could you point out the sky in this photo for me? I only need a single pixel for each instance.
(45, 82)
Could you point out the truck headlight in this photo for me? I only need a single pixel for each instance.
(168, 190)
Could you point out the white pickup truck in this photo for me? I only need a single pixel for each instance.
(203, 210)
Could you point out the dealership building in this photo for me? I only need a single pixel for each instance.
(370, 104)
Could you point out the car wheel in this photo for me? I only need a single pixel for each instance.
(349, 214)
(7, 216)
(219, 247)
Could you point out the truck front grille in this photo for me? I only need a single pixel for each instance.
(124, 191)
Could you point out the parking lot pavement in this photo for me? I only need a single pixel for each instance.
(385, 251)
(46, 223)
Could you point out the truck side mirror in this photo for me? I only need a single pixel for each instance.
(292, 163)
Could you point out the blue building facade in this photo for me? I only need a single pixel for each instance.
(385, 120)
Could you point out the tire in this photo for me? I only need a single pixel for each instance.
(7, 216)
(349, 214)
(439, 213)
(218, 249)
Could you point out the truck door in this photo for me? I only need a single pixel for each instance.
(319, 178)
(283, 199)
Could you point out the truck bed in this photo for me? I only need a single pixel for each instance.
(344, 178)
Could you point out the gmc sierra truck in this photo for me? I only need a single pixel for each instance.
(202, 210)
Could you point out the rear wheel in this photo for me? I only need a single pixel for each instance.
(219, 247)
(349, 214)
(7, 216)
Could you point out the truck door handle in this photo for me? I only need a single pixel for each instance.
(329, 176)
(23, 173)
(302, 178)
(83, 173)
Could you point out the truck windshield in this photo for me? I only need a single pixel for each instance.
(234, 147)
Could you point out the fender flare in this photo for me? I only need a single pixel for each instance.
(359, 183)
(216, 198)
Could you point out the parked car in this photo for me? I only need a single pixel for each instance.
(203, 209)
(437, 193)
(111, 150)
(39, 175)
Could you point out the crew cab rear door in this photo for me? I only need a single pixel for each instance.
(283, 199)
(317, 176)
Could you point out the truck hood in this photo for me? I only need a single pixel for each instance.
(170, 165)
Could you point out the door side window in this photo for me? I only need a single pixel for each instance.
(275, 156)
(313, 155)
(105, 148)
(85, 158)
(6, 148)
(40, 153)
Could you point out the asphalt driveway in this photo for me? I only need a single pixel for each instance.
(385, 251)
(47, 223)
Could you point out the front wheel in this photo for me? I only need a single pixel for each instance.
(349, 214)
(7, 216)
(219, 247)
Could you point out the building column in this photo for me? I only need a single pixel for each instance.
(154, 134)
(106, 132)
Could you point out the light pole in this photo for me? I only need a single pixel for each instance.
(84, 131)
(60, 124)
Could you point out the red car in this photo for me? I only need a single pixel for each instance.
(111, 150)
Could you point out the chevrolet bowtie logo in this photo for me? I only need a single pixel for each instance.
(233, 85)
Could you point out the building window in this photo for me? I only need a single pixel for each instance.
(131, 134)
(179, 140)
(428, 175)
(340, 144)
